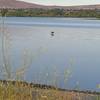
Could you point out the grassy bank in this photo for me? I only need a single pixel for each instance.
(17, 90)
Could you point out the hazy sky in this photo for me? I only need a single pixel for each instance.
(64, 2)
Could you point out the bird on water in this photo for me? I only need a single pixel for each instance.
(52, 33)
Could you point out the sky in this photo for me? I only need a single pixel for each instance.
(64, 2)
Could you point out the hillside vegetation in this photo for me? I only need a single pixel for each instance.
(38, 12)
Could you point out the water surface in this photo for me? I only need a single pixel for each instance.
(74, 49)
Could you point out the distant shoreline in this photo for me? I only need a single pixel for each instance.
(56, 12)
(84, 18)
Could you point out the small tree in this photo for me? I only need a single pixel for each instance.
(4, 12)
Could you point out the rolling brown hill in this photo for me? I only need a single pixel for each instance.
(16, 4)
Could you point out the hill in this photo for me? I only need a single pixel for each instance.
(16, 4)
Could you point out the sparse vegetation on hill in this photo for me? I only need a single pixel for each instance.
(19, 8)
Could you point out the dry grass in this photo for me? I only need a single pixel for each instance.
(11, 90)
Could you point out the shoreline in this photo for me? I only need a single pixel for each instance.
(46, 87)
(75, 17)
